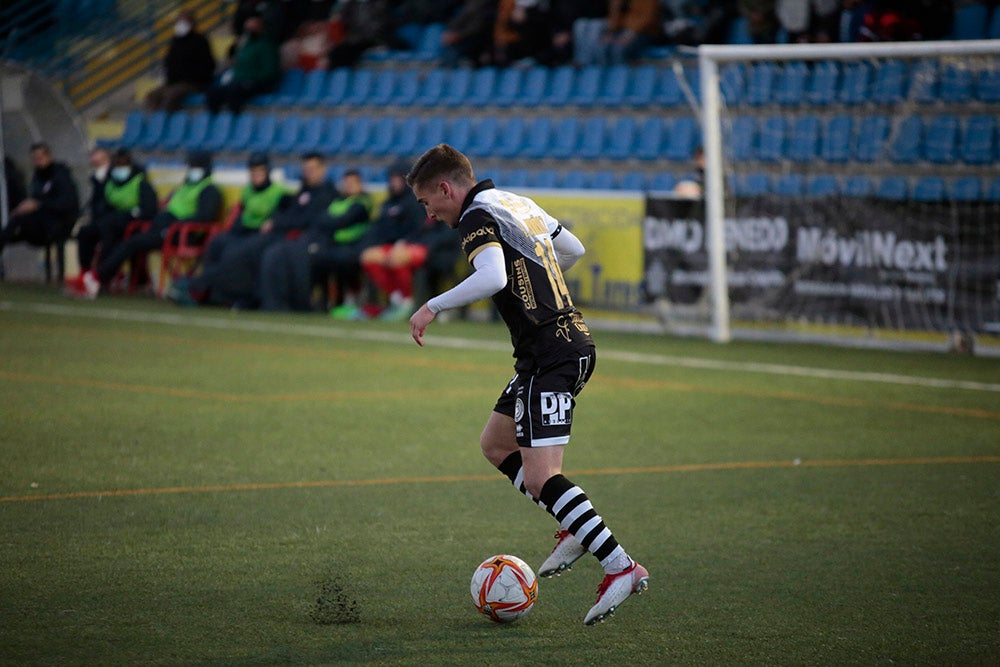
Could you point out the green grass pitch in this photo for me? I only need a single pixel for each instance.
(201, 487)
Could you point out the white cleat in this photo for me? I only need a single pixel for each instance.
(615, 589)
(566, 552)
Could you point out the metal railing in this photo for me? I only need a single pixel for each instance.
(90, 48)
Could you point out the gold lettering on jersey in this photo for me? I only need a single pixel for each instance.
(562, 329)
(578, 322)
(535, 226)
(522, 283)
(472, 236)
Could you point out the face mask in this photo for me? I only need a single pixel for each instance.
(101, 173)
(195, 174)
(121, 173)
(182, 28)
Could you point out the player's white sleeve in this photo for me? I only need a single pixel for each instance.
(568, 248)
(489, 278)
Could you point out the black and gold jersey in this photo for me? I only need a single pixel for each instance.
(535, 298)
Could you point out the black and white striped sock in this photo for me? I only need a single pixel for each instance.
(572, 509)
(513, 468)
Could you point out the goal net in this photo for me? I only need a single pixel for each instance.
(850, 187)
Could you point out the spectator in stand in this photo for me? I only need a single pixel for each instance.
(274, 14)
(255, 69)
(197, 199)
(330, 246)
(260, 200)
(589, 19)
(49, 212)
(235, 282)
(189, 66)
(468, 37)
(693, 22)
(523, 30)
(16, 191)
(388, 256)
(118, 198)
(808, 20)
(762, 23)
(365, 24)
(633, 25)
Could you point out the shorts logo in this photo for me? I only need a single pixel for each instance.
(557, 408)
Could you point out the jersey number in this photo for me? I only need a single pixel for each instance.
(547, 254)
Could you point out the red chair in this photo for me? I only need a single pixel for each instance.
(185, 244)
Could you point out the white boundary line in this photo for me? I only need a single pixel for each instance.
(190, 319)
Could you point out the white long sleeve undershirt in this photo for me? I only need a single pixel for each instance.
(489, 278)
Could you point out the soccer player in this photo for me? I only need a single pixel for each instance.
(519, 253)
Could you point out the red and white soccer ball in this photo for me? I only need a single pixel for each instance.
(504, 588)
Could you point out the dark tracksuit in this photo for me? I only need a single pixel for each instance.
(208, 205)
(107, 223)
(59, 207)
(332, 245)
(236, 280)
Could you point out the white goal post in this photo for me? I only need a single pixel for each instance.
(709, 59)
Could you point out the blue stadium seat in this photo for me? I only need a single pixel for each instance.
(993, 190)
(458, 132)
(219, 129)
(264, 132)
(536, 83)
(971, 21)
(803, 142)
(854, 83)
(430, 43)
(383, 88)
(587, 86)
(432, 131)
(738, 31)
(538, 139)
(508, 87)
(542, 178)
(941, 139)
(574, 179)
(762, 83)
(288, 91)
(407, 88)
(561, 84)
(511, 138)
(642, 86)
(652, 131)
(790, 89)
(929, 188)
(994, 30)
(979, 141)
(615, 85)
(381, 140)
(634, 181)
(683, 137)
(966, 188)
(823, 186)
(457, 86)
(359, 131)
(789, 185)
(338, 85)
(565, 138)
(836, 141)
(751, 185)
(173, 133)
(197, 131)
(408, 136)
(858, 186)
(514, 178)
(592, 138)
(889, 86)
(484, 137)
(907, 142)
(134, 122)
(956, 84)
(152, 130)
(924, 82)
(895, 188)
(432, 87)
(739, 139)
(732, 83)
(287, 136)
(334, 136)
(311, 136)
(603, 179)
(771, 139)
(313, 88)
(668, 91)
(988, 86)
(823, 82)
(622, 139)
(360, 91)
(241, 133)
(869, 144)
(482, 88)
(661, 181)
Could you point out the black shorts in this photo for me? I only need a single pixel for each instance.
(541, 399)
